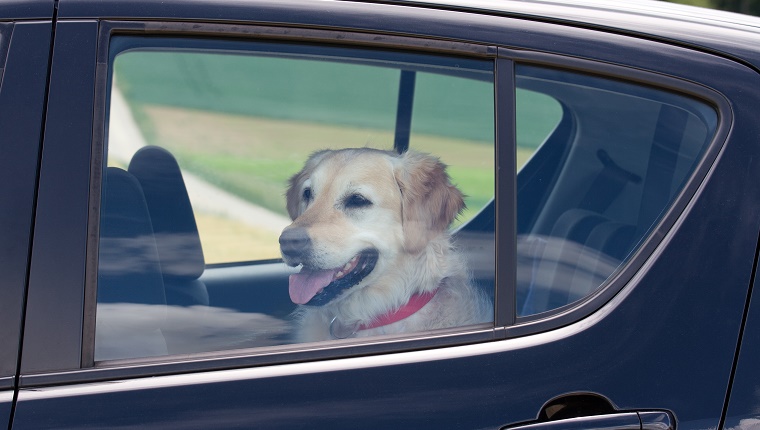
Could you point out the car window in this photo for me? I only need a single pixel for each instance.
(600, 179)
(537, 115)
(214, 148)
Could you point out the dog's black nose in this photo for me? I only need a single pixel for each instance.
(294, 242)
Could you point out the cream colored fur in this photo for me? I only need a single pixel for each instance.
(412, 204)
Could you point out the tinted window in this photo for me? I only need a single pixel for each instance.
(207, 164)
(599, 181)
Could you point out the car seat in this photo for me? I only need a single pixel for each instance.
(131, 300)
(179, 245)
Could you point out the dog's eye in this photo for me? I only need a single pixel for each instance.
(307, 194)
(356, 201)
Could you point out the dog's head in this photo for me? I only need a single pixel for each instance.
(356, 211)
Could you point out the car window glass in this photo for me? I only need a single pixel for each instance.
(537, 115)
(215, 148)
(599, 181)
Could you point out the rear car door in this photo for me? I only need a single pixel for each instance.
(25, 30)
(611, 235)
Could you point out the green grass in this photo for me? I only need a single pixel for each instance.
(259, 181)
(247, 124)
(339, 95)
(536, 116)
(254, 157)
(700, 3)
(305, 90)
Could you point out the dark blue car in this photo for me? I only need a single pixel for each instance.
(609, 154)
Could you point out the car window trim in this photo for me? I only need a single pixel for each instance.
(505, 223)
(280, 354)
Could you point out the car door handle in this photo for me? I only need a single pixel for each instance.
(645, 420)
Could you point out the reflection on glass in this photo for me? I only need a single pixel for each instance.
(599, 181)
(131, 330)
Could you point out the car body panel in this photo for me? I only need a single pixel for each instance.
(22, 97)
(13, 10)
(25, 54)
(712, 30)
(584, 43)
(6, 406)
(667, 340)
(55, 281)
(743, 400)
(642, 350)
(715, 31)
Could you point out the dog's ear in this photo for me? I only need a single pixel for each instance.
(429, 201)
(294, 195)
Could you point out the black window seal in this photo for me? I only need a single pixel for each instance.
(284, 33)
(505, 223)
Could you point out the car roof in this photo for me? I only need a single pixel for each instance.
(26, 9)
(728, 33)
(577, 10)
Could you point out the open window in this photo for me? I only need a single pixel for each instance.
(203, 137)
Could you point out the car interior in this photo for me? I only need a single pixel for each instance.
(600, 181)
(589, 194)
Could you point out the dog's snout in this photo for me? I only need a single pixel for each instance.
(294, 242)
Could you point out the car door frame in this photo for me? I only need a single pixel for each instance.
(25, 32)
(56, 312)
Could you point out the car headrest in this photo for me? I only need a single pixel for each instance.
(177, 239)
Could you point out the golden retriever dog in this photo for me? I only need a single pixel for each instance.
(370, 230)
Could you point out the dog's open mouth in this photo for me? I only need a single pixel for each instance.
(318, 287)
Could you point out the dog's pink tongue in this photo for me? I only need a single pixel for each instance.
(307, 283)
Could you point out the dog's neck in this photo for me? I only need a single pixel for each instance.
(415, 303)
(340, 331)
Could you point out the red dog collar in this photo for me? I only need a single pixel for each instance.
(415, 303)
